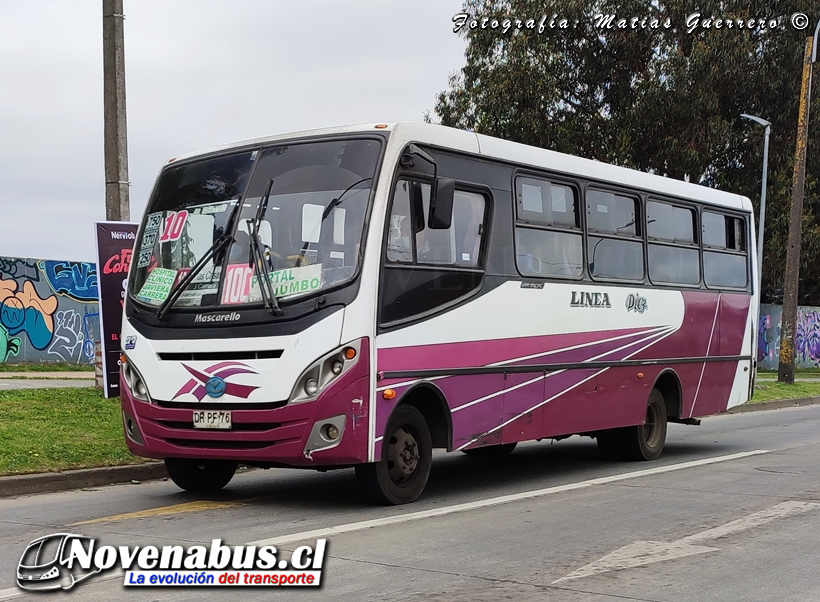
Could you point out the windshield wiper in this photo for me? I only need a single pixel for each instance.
(338, 200)
(219, 244)
(177, 290)
(258, 260)
(330, 207)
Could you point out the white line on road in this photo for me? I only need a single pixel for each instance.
(641, 553)
(495, 501)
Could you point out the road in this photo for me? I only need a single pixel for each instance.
(730, 512)
(7, 384)
(45, 380)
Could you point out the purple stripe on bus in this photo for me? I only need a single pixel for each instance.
(521, 401)
(484, 415)
(482, 353)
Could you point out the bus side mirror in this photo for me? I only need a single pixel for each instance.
(441, 206)
(416, 207)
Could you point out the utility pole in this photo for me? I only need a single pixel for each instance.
(117, 206)
(785, 369)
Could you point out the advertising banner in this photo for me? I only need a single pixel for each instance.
(115, 242)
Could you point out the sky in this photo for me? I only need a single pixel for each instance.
(199, 73)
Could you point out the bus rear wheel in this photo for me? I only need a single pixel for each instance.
(407, 455)
(641, 442)
(200, 475)
(491, 451)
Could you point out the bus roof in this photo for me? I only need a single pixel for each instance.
(504, 150)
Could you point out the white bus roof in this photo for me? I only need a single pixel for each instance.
(504, 150)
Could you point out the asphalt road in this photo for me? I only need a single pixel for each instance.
(730, 512)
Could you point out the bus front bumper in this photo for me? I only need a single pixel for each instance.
(295, 435)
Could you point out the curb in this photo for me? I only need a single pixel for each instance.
(77, 479)
(111, 475)
(774, 405)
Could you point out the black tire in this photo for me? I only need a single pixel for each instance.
(641, 442)
(407, 455)
(200, 475)
(610, 444)
(491, 451)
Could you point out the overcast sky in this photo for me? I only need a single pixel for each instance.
(199, 73)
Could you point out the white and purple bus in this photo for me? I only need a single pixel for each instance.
(359, 296)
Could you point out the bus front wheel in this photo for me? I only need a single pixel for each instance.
(407, 455)
(641, 442)
(200, 475)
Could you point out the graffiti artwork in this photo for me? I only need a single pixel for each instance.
(76, 279)
(48, 311)
(806, 337)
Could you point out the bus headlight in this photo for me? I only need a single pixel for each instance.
(134, 380)
(324, 371)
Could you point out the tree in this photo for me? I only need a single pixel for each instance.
(653, 86)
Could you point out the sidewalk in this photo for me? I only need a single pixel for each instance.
(15, 485)
(47, 375)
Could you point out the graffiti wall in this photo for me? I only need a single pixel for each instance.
(806, 337)
(48, 311)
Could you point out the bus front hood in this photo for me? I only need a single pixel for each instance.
(228, 370)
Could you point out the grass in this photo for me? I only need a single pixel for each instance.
(45, 430)
(46, 367)
(771, 390)
(803, 371)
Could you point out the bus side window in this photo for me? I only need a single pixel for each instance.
(725, 260)
(548, 229)
(400, 231)
(435, 267)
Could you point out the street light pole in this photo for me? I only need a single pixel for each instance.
(762, 226)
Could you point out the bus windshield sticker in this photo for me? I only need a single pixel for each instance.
(212, 208)
(149, 239)
(289, 282)
(237, 284)
(174, 225)
(158, 285)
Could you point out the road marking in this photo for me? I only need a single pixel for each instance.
(14, 592)
(504, 499)
(642, 553)
(164, 511)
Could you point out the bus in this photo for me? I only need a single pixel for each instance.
(359, 296)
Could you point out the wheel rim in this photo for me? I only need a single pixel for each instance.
(652, 427)
(402, 455)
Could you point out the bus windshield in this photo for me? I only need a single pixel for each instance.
(309, 231)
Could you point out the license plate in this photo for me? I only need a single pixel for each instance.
(212, 420)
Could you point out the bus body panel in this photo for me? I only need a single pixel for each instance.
(691, 331)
